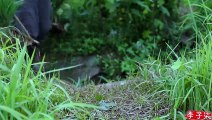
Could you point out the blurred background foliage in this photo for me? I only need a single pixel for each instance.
(121, 32)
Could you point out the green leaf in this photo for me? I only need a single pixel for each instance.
(142, 4)
(136, 12)
(4, 68)
(176, 65)
(13, 113)
(159, 24)
(59, 12)
(161, 2)
(165, 11)
(1, 55)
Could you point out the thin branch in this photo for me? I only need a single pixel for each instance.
(25, 30)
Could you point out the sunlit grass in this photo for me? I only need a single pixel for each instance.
(187, 80)
(192, 78)
(25, 95)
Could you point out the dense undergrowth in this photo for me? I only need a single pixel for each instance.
(120, 32)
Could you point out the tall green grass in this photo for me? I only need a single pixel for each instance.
(25, 95)
(192, 80)
(188, 80)
(7, 11)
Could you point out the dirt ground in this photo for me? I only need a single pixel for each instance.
(125, 100)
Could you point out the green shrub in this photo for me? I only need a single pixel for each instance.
(130, 29)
